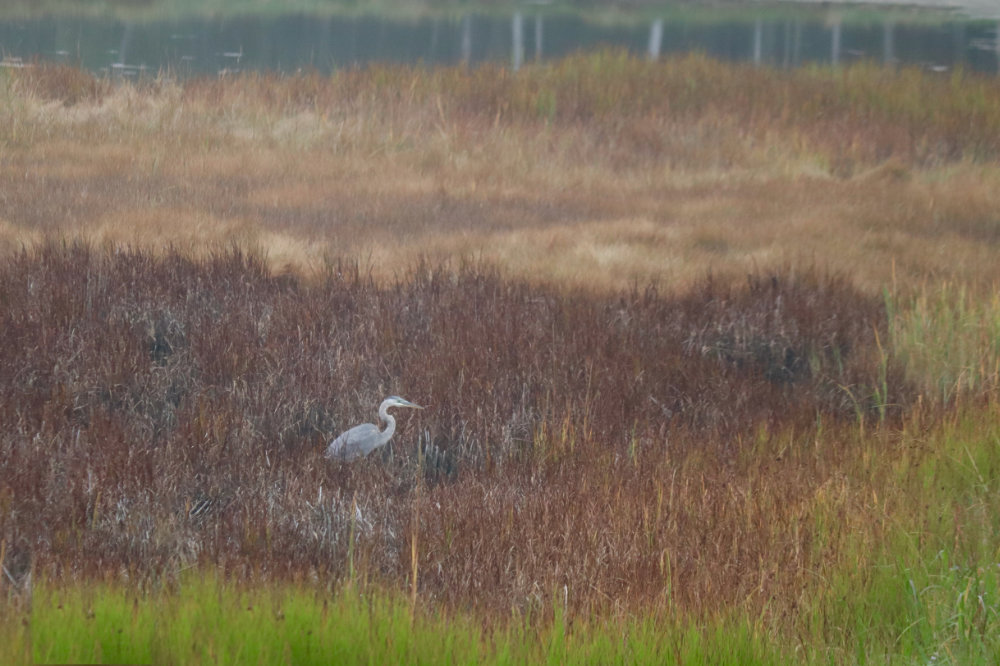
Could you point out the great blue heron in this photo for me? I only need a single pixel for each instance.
(362, 439)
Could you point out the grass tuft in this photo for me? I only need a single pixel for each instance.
(948, 339)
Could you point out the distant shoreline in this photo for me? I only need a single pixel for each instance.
(976, 9)
(968, 9)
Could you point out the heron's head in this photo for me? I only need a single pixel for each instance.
(396, 401)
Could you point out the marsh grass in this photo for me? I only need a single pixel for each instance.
(137, 387)
(203, 620)
(597, 170)
(752, 449)
(693, 456)
(948, 338)
(929, 589)
(904, 570)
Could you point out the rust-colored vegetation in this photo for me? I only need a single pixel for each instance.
(610, 445)
(683, 329)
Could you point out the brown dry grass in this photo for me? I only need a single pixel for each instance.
(640, 435)
(645, 450)
(597, 171)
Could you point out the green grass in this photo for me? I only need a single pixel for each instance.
(948, 339)
(928, 590)
(204, 620)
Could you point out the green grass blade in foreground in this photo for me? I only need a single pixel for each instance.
(930, 591)
(204, 621)
(948, 340)
(88, 625)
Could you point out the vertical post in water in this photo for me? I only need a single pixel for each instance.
(435, 31)
(325, 56)
(655, 39)
(998, 47)
(786, 60)
(758, 41)
(125, 43)
(959, 42)
(123, 48)
(888, 42)
(797, 44)
(466, 40)
(517, 41)
(835, 42)
(538, 36)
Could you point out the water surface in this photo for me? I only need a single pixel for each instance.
(289, 43)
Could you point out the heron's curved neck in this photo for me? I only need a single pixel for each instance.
(390, 422)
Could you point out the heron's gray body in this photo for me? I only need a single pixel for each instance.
(362, 439)
(358, 442)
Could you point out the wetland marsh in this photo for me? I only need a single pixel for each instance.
(710, 353)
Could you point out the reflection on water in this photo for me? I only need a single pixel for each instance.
(289, 43)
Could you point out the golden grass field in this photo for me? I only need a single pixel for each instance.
(631, 177)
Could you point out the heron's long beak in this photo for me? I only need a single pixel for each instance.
(412, 404)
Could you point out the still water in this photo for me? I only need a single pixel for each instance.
(289, 43)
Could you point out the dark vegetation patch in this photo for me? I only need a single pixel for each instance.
(159, 412)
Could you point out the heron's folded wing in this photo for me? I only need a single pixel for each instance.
(355, 443)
